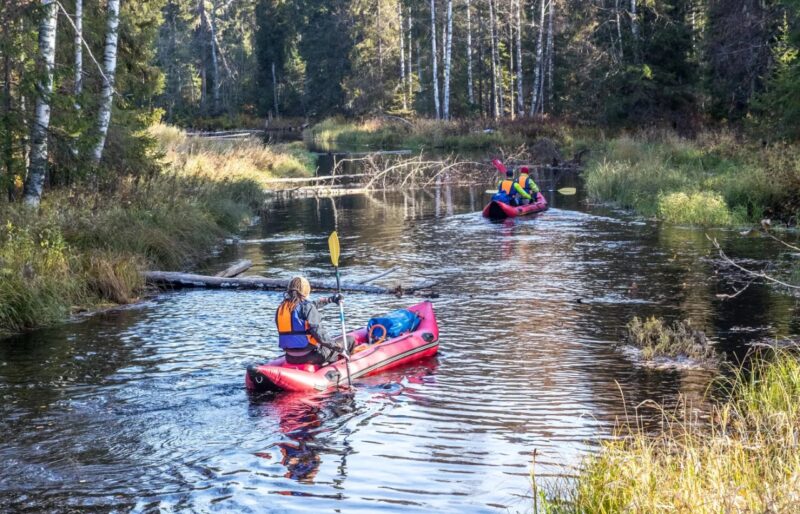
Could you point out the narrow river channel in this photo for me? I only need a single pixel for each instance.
(145, 409)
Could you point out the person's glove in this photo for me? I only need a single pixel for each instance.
(337, 298)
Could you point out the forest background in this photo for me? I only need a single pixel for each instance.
(693, 107)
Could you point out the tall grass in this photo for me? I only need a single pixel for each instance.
(83, 248)
(745, 460)
(225, 159)
(713, 180)
(656, 338)
(426, 133)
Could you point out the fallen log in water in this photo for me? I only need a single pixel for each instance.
(179, 280)
(237, 268)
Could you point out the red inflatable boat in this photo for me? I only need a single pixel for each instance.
(367, 359)
(500, 210)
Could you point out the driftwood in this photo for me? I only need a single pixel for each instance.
(180, 280)
(379, 275)
(237, 268)
(314, 179)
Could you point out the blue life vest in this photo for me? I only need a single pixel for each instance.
(293, 333)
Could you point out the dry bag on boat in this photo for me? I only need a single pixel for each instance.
(392, 324)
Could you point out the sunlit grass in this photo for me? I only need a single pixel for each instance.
(745, 460)
(83, 248)
(656, 338)
(419, 133)
(227, 159)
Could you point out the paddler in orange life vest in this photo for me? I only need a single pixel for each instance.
(512, 189)
(300, 332)
(528, 184)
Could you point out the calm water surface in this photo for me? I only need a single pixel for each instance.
(145, 409)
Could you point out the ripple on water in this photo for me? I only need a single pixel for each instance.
(145, 409)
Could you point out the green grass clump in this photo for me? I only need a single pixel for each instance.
(704, 208)
(655, 338)
(745, 459)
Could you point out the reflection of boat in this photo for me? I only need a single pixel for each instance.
(367, 359)
(499, 210)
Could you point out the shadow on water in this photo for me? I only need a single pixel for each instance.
(145, 409)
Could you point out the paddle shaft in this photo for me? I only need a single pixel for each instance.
(344, 329)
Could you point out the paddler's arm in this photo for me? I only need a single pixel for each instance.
(534, 187)
(311, 314)
(519, 189)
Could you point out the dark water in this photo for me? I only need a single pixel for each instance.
(145, 409)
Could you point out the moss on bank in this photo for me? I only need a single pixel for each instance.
(745, 459)
(712, 180)
(83, 249)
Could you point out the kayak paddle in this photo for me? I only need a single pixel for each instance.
(566, 191)
(333, 246)
(500, 166)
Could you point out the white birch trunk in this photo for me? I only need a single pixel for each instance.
(402, 56)
(410, 61)
(619, 31)
(435, 64)
(78, 86)
(493, 34)
(634, 21)
(520, 92)
(511, 104)
(537, 66)
(470, 91)
(550, 51)
(212, 28)
(32, 193)
(275, 90)
(109, 69)
(447, 55)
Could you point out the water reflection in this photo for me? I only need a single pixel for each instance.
(145, 409)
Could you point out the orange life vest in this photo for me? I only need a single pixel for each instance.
(507, 186)
(523, 182)
(293, 331)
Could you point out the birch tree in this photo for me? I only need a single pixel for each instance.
(435, 77)
(109, 69)
(493, 35)
(536, 93)
(634, 21)
(410, 60)
(78, 41)
(511, 104)
(402, 56)
(518, 22)
(550, 51)
(470, 92)
(447, 55)
(32, 192)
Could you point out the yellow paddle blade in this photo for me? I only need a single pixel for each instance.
(333, 245)
(567, 190)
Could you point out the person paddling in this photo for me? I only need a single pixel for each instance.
(527, 183)
(300, 332)
(511, 189)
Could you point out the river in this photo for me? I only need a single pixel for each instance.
(144, 409)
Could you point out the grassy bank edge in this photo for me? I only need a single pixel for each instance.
(716, 179)
(745, 459)
(84, 250)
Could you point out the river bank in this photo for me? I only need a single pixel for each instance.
(744, 459)
(85, 249)
(716, 179)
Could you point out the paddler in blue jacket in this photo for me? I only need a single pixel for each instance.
(511, 189)
(300, 332)
(527, 183)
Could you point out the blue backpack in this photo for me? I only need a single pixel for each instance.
(392, 325)
(501, 197)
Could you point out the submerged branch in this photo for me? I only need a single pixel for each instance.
(757, 274)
